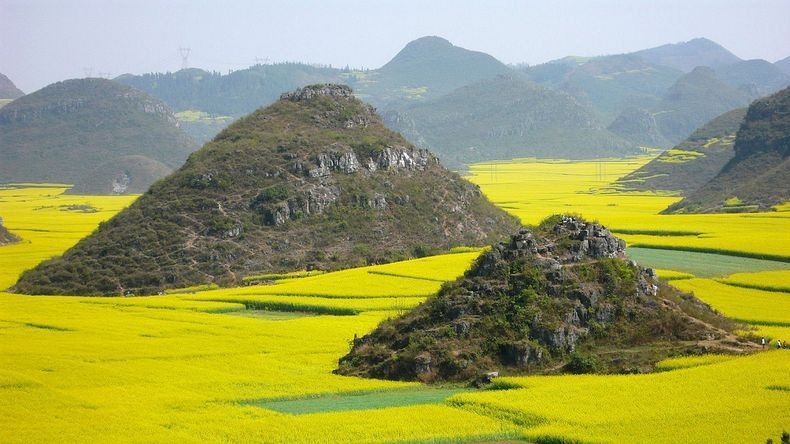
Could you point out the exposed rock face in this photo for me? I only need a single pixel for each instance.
(544, 301)
(314, 181)
(6, 237)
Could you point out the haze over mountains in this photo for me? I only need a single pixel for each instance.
(464, 105)
(655, 92)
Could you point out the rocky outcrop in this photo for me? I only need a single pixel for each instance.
(547, 300)
(6, 237)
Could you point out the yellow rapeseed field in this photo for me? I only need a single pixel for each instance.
(190, 367)
(48, 222)
(746, 304)
(739, 400)
(533, 189)
(777, 280)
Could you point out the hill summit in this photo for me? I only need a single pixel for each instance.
(313, 181)
(686, 56)
(81, 131)
(561, 297)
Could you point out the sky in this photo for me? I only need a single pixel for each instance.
(44, 41)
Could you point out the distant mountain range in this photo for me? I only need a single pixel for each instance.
(102, 136)
(758, 175)
(506, 117)
(653, 97)
(659, 96)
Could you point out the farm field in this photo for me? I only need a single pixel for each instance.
(255, 363)
(531, 189)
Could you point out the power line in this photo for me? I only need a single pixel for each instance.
(184, 52)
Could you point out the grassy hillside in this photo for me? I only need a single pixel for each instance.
(503, 118)
(692, 163)
(63, 133)
(758, 177)
(314, 181)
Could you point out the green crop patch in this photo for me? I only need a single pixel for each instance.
(701, 264)
(359, 401)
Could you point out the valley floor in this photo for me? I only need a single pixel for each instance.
(255, 363)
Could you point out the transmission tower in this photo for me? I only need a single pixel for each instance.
(184, 57)
(88, 71)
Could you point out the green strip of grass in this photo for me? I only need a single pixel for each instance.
(721, 252)
(701, 264)
(657, 232)
(387, 273)
(776, 288)
(358, 401)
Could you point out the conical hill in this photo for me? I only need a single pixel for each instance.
(313, 181)
(561, 297)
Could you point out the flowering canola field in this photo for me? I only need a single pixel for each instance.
(532, 189)
(202, 366)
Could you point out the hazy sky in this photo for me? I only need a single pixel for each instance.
(43, 41)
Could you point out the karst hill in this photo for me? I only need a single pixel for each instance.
(313, 181)
(559, 298)
(101, 136)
